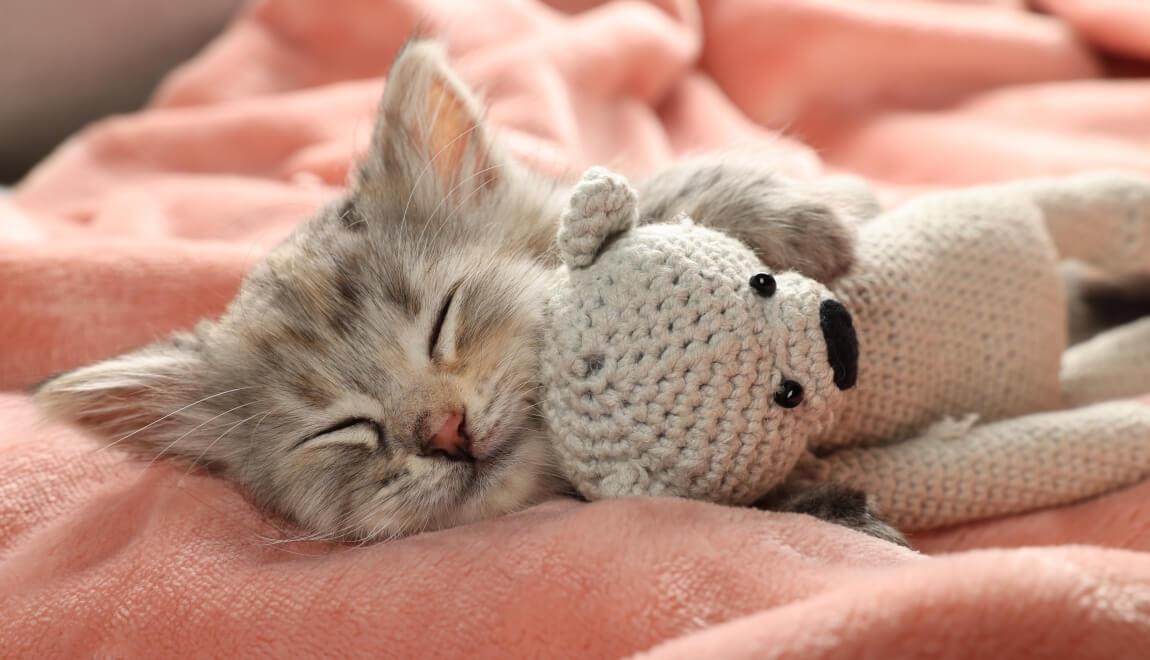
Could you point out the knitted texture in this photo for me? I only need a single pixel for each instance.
(1109, 365)
(959, 309)
(661, 362)
(602, 205)
(944, 478)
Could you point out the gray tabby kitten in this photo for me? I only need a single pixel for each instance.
(375, 376)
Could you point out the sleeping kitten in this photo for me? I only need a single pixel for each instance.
(375, 376)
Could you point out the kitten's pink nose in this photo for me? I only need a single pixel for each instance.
(451, 439)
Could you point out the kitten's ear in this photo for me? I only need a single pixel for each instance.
(602, 206)
(126, 400)
(429, 136)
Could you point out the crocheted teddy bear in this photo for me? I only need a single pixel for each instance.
(675, 363)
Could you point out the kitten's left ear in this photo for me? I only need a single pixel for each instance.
(138, 401)
(429, 136)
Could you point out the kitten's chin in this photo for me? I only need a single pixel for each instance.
(519, 476)
(511, 483)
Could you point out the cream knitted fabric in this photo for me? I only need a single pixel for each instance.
(661, 362)
(1108, 366)
(959, 309)
(1010, 466)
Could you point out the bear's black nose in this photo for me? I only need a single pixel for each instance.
(842, 344)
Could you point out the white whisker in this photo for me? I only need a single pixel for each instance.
(178, 410)
(208, 448)
(446, 196)
(173, 443)
(431, 162)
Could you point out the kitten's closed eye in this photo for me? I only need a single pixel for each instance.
(433, 348)
(357, 423)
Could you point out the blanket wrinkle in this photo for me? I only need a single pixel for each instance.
(141, 224)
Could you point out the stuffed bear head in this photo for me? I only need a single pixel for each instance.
(676, 363)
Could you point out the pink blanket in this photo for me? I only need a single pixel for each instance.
(143, 223)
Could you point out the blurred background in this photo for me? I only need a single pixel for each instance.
(64, 63)
(67, 63)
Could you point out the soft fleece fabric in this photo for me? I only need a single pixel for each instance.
(143, 223)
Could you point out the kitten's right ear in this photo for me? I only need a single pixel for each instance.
(429, 137)
(126, 400)
(601, 206)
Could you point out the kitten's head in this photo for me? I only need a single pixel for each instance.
(376, 375)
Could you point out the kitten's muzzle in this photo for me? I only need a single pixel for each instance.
(842, 343)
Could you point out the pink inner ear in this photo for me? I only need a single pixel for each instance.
(453, 135)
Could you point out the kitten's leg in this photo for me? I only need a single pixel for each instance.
(1111, 365)
(791, 225)
(841, 505)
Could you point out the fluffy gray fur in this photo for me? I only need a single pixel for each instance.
(317, 389)
(833, 503)
(806, 231)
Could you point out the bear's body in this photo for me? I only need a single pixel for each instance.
(959, 310)
(671, 368)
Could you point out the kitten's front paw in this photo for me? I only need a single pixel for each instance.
(833, 503)
(810, 237)
(791, 225)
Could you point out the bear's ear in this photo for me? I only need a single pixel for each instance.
(602, 205)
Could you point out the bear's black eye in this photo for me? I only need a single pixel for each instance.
(790, 394)
(763, 284)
